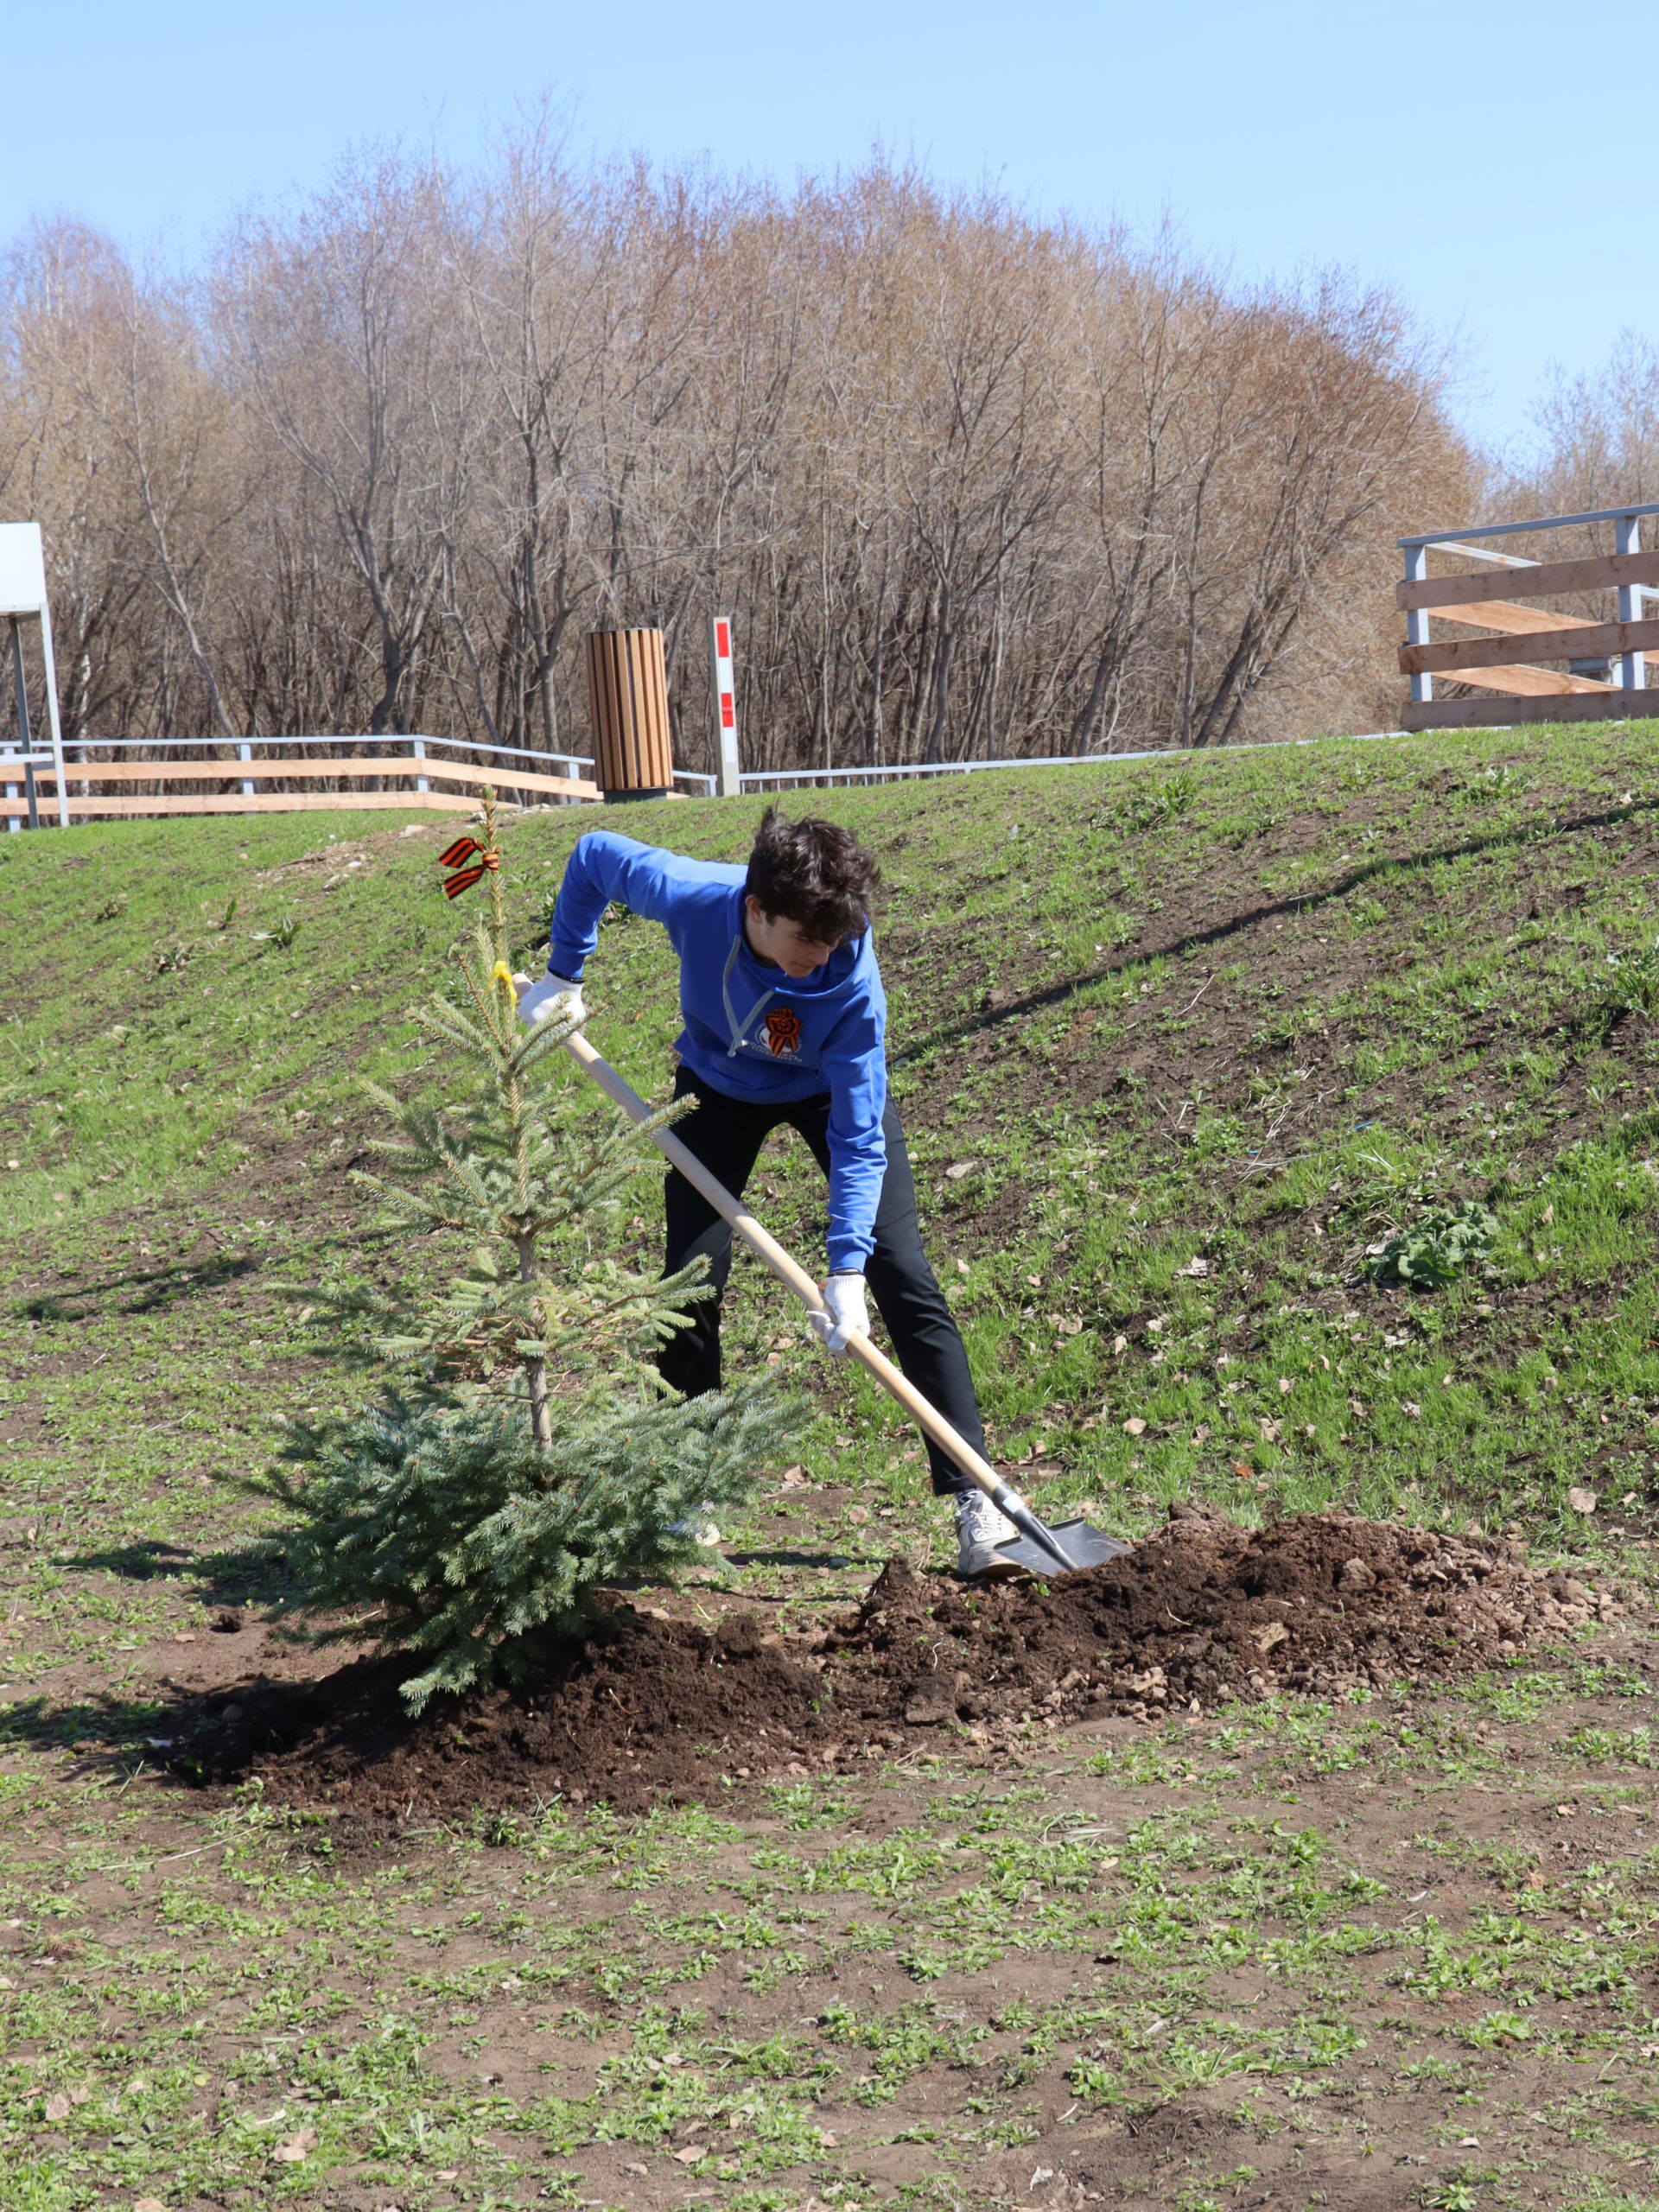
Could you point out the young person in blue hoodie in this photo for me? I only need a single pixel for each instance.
(785, 1018)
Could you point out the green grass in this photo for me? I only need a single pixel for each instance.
(1192, 1062)
(276, 1990)
(1199, 1040)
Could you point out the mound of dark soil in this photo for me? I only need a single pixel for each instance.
(662, 1710)
(1205, 1612)
(655, 1712)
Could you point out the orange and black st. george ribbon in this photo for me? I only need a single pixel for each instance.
(454, 856)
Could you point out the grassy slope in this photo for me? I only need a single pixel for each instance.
(1253, 1012)
(1257, 1028)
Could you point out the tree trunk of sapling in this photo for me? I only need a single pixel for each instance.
(541, 1420)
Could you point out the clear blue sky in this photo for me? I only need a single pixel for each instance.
(1466, 154)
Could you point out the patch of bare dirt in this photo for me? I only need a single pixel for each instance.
(1155, 2160)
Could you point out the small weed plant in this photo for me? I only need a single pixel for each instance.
(1438, 1247)
(283, 935)
(521, 1455)
(1629, 985)
(1164, 799)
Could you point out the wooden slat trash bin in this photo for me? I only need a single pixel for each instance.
(627, 695)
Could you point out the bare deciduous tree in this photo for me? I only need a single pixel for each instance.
(969, 484)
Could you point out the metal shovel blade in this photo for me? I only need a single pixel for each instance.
(1083, 1546)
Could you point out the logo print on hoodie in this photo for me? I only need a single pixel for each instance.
(782, 1031)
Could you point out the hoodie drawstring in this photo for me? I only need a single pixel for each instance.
(739, 1030)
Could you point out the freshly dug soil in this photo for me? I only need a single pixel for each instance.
(662, 1710)
(1207, 1612)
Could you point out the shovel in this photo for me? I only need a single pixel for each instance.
(1042, 1550)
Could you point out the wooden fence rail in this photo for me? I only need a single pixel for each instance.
(1544, 578)
(1579, 640)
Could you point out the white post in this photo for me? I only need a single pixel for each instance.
(1631, 667)
(419, 745)
(1422, 687)
(246, 753)
(723, 687)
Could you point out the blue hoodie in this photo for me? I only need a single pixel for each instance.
(751, 1032)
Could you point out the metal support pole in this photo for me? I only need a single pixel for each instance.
(418, 745)
(20, 688)
(1422, 686)
(722, 685)
(1631, 667)
(246, 753)
(52, 716)
(29, 787)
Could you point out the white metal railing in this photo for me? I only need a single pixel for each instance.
(1514, 529)
(760, 777)
(887, 773)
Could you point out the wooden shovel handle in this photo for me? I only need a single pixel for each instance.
(788, 1270)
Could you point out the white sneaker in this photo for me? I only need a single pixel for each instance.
(980, 1529)
(694, 1525)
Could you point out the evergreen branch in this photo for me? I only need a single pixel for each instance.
(448, 1021)
(544, 1037)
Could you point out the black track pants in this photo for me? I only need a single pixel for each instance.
(727, 1134)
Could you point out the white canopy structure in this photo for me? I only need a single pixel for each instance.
(23, 599)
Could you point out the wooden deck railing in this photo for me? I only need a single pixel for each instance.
(1591, 690)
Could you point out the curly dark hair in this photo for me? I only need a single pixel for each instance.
(814, 874)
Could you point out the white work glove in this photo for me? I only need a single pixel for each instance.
(846, 1317)
(555, 998)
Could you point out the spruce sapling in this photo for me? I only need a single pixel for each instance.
(522, 1455)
